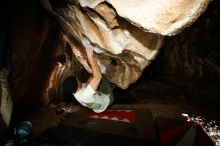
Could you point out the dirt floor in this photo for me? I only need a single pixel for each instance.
(163, 98)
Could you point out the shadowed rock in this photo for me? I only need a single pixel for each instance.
(127, 35)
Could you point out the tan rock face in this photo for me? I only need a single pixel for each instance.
(127, 35)
(166, 17)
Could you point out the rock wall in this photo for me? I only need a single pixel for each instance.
(35, 42)
(166, 17)
(194, 54)
(127, 36)
(47, 41)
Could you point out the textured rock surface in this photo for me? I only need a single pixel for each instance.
(166, 17)
(43, 55)
(127, 36)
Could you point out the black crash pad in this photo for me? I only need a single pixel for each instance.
(111, 128)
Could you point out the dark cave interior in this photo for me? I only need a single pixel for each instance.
(183, 78)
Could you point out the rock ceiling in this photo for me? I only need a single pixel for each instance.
(127, 35)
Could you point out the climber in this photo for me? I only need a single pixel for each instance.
(96, 93)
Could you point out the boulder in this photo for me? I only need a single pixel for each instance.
(127, 35)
